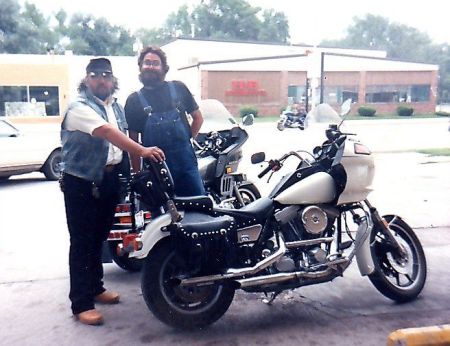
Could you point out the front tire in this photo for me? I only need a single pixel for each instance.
(180, 307)
(280, 125)
(249, 193)
(398, 278)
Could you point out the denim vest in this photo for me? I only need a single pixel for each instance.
(83, 155)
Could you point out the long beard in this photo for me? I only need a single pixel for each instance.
(151, 78)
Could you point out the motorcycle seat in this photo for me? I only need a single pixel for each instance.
(194, 203)
(205, 225)
(255, 212)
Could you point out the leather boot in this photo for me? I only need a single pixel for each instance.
(90, 317)
(108, 297)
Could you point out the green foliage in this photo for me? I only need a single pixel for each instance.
(365, 111)
(400, 42)
(405, 111)
(26, 30)
(248, 109)
(442, 114)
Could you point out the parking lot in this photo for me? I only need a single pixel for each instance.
(348, 311)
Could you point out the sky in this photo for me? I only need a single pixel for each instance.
(309, 21)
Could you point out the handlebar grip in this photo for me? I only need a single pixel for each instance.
(265, 171)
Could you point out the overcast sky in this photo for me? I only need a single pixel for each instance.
(309, 21)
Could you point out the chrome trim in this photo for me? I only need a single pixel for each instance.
(235, 273)
(282, 277)
(301, 243)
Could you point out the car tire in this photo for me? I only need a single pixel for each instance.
(51, 167)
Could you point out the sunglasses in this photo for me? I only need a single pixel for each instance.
(98, 75)
(154, 63)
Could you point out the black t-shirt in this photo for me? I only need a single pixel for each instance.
(160, 101)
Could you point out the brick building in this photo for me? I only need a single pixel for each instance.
(270, 76)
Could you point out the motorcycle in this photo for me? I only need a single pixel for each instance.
(219, 151)
(307, 231)
(293, 117)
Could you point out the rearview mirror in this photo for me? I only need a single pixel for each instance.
(248, 119)
(258, 157)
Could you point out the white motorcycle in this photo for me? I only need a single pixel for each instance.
(310, 228)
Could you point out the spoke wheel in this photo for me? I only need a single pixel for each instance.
(398, 277)
(249, 193)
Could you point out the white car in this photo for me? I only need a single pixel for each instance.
(25, 152)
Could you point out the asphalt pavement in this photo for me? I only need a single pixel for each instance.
(34, 282)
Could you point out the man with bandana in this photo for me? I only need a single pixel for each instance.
(157, 116)
(93, 156)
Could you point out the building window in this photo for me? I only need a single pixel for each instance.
(29, 101)
(338, 94)
(397, 93)
(296, 94)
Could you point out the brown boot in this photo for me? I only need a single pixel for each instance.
(90, 317)
(108, 297)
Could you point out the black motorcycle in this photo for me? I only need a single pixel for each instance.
(219, 151)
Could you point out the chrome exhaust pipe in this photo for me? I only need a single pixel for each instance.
(235, 273)
(283, 277)
(302, 243)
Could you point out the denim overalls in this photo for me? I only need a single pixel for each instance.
(170, 132)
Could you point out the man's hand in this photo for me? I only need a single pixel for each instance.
(153, 153)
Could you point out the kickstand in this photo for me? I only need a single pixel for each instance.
(270, 297)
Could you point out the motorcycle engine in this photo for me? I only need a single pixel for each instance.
(314, 219)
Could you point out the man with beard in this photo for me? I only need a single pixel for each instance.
(157, 116)
(92, 135)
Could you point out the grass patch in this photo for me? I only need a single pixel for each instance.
(435, 151)
(268, 119)
(393, 116)
(274, 118)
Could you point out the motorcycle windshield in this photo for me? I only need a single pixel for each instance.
(216, 116)
(322, 114)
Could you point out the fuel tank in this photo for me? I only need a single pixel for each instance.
(316, 188)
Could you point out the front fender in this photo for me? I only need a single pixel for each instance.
(362, 244)
(152, 235)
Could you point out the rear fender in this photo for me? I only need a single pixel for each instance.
(152, 235)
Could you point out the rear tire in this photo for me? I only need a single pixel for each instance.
(51, 167)
(399, 279)
(180, 307)
(129, 264)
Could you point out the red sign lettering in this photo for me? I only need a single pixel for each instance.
(245, 88)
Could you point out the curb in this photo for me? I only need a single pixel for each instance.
(425, 336)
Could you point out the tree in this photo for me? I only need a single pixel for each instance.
(274, 28)
(400, 42)
(24, 32)
(91, 36)
(224, 19)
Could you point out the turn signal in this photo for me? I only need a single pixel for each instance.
(361, 149)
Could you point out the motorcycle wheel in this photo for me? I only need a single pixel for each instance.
(280, 126)
(249, 194)
(124, 262)
(398, 278)
(180, 307)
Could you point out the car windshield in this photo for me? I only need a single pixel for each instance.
(216, 116)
